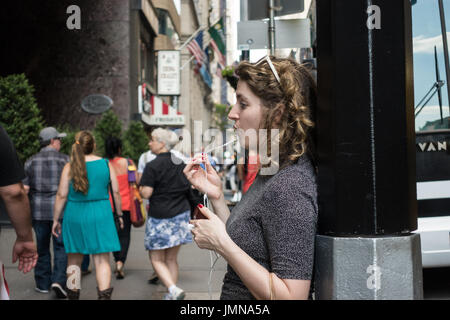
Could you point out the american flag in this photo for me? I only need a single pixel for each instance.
(220, 56)
(195, 47)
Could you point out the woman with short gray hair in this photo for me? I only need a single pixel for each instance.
(165, 185)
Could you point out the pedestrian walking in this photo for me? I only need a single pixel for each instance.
(88, 226)
(113, 148)
(145, 158)
(167, 228)
(268, 239)
(43, 172)
(17, 206)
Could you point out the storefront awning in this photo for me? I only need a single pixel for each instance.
(158, 113)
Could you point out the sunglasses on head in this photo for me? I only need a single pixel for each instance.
(269, 62)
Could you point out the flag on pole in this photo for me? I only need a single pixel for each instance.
(220, 56)
(218, 35)
(219, 70)
(206, 76)
(195, 47)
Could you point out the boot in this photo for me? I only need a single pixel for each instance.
(105, 294)
(73, 294)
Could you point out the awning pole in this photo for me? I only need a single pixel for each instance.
(184, 65)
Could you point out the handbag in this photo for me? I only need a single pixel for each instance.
(138, 214)
(111, 194)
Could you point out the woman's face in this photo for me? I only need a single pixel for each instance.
(247, 112)
(155, 146)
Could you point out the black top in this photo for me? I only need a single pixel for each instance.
(170, 186)
(11, 169)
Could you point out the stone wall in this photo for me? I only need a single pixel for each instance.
(67, 65)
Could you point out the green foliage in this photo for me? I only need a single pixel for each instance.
(20, 115)
(228, 71)
(108, 125)
(220, 115)
(67, 142)
(135, 141)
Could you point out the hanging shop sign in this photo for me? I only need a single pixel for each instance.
(169, 73)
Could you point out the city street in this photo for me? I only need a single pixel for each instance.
(331, 116)
(193, 277)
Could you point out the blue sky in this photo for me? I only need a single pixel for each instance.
(426, 34)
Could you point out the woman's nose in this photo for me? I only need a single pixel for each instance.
(233, 114)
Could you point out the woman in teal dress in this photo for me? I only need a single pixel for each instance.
(88, 225)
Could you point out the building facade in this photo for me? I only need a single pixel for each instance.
(113, 52)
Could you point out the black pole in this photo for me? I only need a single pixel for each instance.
(445, 42)
(366, 119)
(367, 156)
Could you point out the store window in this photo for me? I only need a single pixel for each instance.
(147, 63)
(166, 26)
(430, 77)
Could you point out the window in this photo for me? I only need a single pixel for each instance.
(427, 34)
(166, 26)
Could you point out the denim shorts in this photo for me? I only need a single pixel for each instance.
(167, 233)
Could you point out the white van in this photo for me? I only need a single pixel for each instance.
(432, 124)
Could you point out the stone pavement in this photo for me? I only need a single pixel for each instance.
(194, 273)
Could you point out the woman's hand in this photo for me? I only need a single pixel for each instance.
(208, 181)
(209, 233)
(120, 218)
(56, 229)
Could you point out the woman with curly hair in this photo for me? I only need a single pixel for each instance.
(268, 239)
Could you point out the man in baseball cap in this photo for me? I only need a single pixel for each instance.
(43, 172)
(50, 133)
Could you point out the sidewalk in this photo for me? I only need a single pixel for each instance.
(194, 273)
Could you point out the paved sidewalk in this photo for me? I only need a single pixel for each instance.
(193, 276)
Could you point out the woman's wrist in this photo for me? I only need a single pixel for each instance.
(218, 200)
(225, 245)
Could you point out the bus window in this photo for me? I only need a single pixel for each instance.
(430, 80)
(432, 116)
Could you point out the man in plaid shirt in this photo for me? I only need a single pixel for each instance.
(43, 172)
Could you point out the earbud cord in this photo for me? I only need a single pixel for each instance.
(206, 204)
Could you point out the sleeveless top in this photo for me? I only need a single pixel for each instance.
(124, 188)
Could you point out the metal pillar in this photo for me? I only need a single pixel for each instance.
(366, 144)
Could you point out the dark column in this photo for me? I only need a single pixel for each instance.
(367, 185)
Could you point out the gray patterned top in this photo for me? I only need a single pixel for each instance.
(275, 224)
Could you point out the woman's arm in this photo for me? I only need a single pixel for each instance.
(256, 278)
(221, 208)
(63, 191)
(115, 190)
(211, 234)
(146, 192)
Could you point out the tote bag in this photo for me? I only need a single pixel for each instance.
(138, 214)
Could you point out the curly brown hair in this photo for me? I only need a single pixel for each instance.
(84, 144)
(290, 104)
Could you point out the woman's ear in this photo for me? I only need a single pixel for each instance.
(278, 114)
